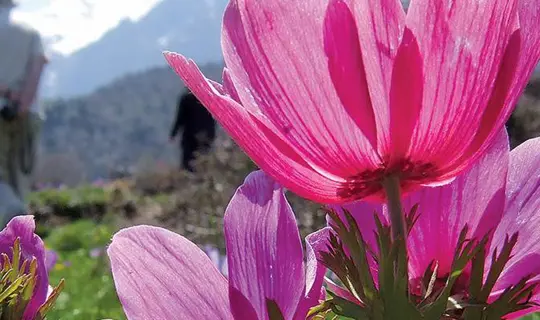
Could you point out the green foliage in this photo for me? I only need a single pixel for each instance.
(80, 196)
(89, 289)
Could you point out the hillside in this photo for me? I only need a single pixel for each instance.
(118, 125)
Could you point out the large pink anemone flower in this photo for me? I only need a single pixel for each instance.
(499, 194)
(329, 97)
(161, 275)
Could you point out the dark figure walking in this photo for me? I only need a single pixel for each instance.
(199, 128)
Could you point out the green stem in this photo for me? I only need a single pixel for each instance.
(393, 196)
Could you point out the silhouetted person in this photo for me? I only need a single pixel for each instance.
(199, 128)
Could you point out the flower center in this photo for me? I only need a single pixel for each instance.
(368, 183)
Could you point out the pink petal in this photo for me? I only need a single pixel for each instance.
(522, 215)
(32, 246)
(499, 105)
(463, 45)
(264, 249)
(314, 276)
(475, 198)
(405, 95)
(161, 275)
(523, 313)
(341, 292)
(342, 46)
(275, 52)
(254, 135)
(522, 56)
(50, 259)
(380, 29)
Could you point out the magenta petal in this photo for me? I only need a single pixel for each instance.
(341, 292)
(265, 146)
(522, 215)
(342, 46)
(315, 272)
(50, 259)
(462, 58)
(275, 52)
(264, 249)
(405, 96)
(380, 29)
(31, 247)
(161, 275)
(475, 198)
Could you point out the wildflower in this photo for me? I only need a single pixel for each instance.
(25, 282)
(96, 252)
(331, 97)
(161, 275)
(499, 197)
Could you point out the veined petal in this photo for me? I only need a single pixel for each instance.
(314, 277)
(521, 314)
(258, 139)
(346, 66)
(475, 198)
(522, 215)
(275, 52)
(405, 96)
(50, 259)
(463, 45)
(380, 30)
(521, 58)
(161, 275)
(32, 246)
(264, 250)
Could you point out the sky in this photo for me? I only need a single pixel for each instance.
(68, 25)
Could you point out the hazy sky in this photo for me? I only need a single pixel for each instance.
(72, 24)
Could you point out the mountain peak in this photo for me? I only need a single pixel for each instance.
(187, 26)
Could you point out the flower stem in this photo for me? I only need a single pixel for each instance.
(393, 196)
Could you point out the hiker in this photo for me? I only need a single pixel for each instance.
(22, 59)
(199, 129)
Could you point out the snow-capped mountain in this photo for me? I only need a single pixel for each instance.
(191, 27)
(69, 25)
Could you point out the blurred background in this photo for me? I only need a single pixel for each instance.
(105, 161)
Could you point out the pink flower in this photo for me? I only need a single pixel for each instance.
(500, 193)
(162, 275)
(32, 247)
(329, 97)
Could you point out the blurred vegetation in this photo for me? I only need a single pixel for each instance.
(524, 124)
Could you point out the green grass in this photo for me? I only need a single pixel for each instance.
(89, 290)
(69, 197)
